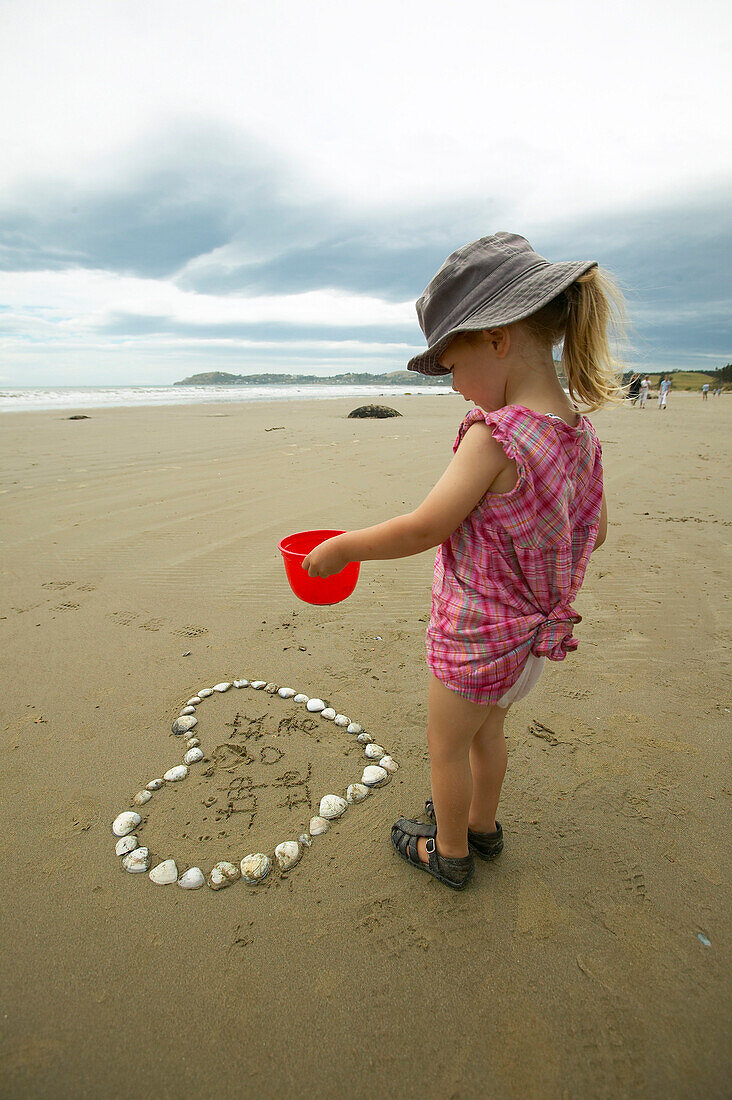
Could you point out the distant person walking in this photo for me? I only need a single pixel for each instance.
(663, 392)
(634, 389)
(705, 391)
(644, 388)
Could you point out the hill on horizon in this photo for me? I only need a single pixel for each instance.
(396, 378)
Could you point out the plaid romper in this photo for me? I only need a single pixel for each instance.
(505, 579)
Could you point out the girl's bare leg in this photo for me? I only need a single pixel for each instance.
(488, 760)
(451, 727)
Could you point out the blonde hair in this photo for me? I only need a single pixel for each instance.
(580, 317)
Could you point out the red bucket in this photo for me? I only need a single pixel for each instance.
(317, 590)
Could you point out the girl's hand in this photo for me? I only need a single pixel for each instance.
(327, 558)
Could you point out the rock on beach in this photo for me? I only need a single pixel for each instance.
(377, 412)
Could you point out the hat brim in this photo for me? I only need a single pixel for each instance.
(520, 301)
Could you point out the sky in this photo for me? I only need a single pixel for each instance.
(269, 186)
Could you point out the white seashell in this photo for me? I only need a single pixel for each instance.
(271, 689)
(187, 710)
(125, 845)
(314, 705)
(174, 775)
(341, 720)
(354, 727)
(357, 792)
(305, 840)
(193, 756)
(287, 693)
(165, 873)
(258, 684)
(388, 765)
(223, 874)
(374, 776)
(241, 683)
(288, 854)
(374, 751)
(191, 879)
(204, 693)
(125, 823)
(300, 698)
(155, 784)
(183, 725)
(364, 738)
(192, 743)
(194, 701)
(328, 713)
(142, 797)
(318, 826)
(222, 687)
(137, 861)
(255, 867)
(331, 806)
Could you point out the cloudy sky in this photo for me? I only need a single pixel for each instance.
(268, 186)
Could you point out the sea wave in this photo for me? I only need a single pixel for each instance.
(90, 397)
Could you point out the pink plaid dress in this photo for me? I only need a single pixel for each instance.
(505, 579)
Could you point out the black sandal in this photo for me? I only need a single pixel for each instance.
(453, 872)
(485, 845)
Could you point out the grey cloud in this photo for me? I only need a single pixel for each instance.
(388, 253)
(131, 324)
(672, 263)
(131, 235)
(364, 262)
(224, 216)
(189, 192)
(221, 215)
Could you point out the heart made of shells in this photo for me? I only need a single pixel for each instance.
(256, 866)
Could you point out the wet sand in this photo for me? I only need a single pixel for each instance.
(140, 563)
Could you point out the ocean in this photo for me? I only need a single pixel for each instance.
(92, 397)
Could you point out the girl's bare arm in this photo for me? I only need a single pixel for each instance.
(602, 529)
(476, 465)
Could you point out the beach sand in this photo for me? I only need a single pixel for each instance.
(141, 563)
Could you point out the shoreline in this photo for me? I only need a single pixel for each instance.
(237, 395)
(92, 410)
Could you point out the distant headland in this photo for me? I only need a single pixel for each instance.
(395, 378)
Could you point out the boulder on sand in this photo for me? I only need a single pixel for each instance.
(376, 411)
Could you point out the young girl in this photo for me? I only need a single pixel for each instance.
(516, 516)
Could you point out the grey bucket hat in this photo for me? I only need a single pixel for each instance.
(491, 282)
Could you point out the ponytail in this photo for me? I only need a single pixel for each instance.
(580, 317)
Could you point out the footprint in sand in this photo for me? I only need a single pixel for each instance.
(632, 877)
(151, 624)
(123, 618)
(127, 618)
(243, 935)
(539, 914)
